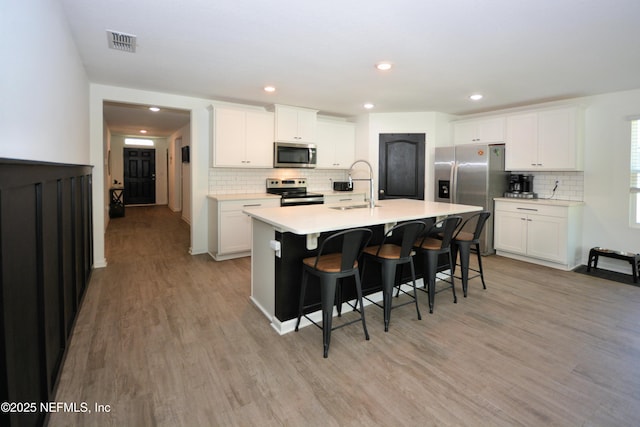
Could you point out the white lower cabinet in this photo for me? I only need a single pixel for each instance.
(230, 229)
(547, 234)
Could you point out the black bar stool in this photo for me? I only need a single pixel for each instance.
(396, 249)
(432, 247)
(463, 241)
(330, 268)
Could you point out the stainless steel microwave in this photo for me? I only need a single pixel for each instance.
(288, 155)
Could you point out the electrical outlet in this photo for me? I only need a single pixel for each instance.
(558, 181)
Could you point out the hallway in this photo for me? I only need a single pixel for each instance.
(169, 339)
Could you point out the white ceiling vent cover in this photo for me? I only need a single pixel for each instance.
(121, 41)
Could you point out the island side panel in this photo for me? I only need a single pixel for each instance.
(263, 267)
(288, 276)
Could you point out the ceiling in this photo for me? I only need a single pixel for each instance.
(129, 119)
(322, 54)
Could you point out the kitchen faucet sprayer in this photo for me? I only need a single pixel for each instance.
(372, 203)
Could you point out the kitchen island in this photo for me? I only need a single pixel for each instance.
(283, 236)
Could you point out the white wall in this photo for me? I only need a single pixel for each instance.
(186, 175)
(434, 125)
(175, 172)
(48, 112)
(199, 140)
(44, 91)
(606, 175)
(107, 173)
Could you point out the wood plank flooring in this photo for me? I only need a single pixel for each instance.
(169, 339)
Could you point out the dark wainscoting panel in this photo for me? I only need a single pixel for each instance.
(46, 258)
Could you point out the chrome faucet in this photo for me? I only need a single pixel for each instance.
(372, 202)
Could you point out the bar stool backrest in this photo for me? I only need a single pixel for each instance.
(445, 229)
(404, 235)
(353, 242)
(480, 218)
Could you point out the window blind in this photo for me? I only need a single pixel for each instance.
(635, 157)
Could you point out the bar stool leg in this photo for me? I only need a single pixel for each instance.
(432, 266)
(388, 275)
(464, 265)
(480, 266)
(453, 288)
(415, 293)
(327, 298)
(303, 289)
(359, 293)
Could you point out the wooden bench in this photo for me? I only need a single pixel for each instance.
(631, 258)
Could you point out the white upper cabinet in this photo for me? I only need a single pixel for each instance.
(479, 131)
(545, 140)
(336, 144)
(242, 138)
(295, 124)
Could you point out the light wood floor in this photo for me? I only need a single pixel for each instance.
(170, 339)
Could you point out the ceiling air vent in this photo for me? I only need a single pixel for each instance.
(121, 41)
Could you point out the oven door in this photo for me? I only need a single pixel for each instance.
(288, 155)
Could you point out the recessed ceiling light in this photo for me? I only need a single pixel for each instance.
(269, 89)
(368, 106)
(475, 97)
(154, 109)
(143, 131)
(384, 66)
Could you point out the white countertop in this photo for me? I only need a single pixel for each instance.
(550, 202)
(311, 219)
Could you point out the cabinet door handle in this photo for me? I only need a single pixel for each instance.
(528, 209)
(252, 205)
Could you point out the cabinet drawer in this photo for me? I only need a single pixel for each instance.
(238, 205)
(347, 197)
(532, 208)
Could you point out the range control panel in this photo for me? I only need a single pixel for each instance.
(286, 183)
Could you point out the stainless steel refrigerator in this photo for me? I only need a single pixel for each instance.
(471, 175)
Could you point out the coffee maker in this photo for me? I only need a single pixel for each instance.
(521, 186)
(515, 183)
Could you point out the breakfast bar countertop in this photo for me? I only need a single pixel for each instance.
(311, 219)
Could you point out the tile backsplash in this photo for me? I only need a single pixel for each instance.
(570, 186)
(248, 181)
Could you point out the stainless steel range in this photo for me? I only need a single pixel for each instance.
(293, 192)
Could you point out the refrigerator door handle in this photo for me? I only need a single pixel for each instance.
(454, 182)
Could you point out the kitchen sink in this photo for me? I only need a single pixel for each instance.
(349, 207)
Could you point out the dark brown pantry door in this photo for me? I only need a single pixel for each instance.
(401, 170)
(139, 176)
